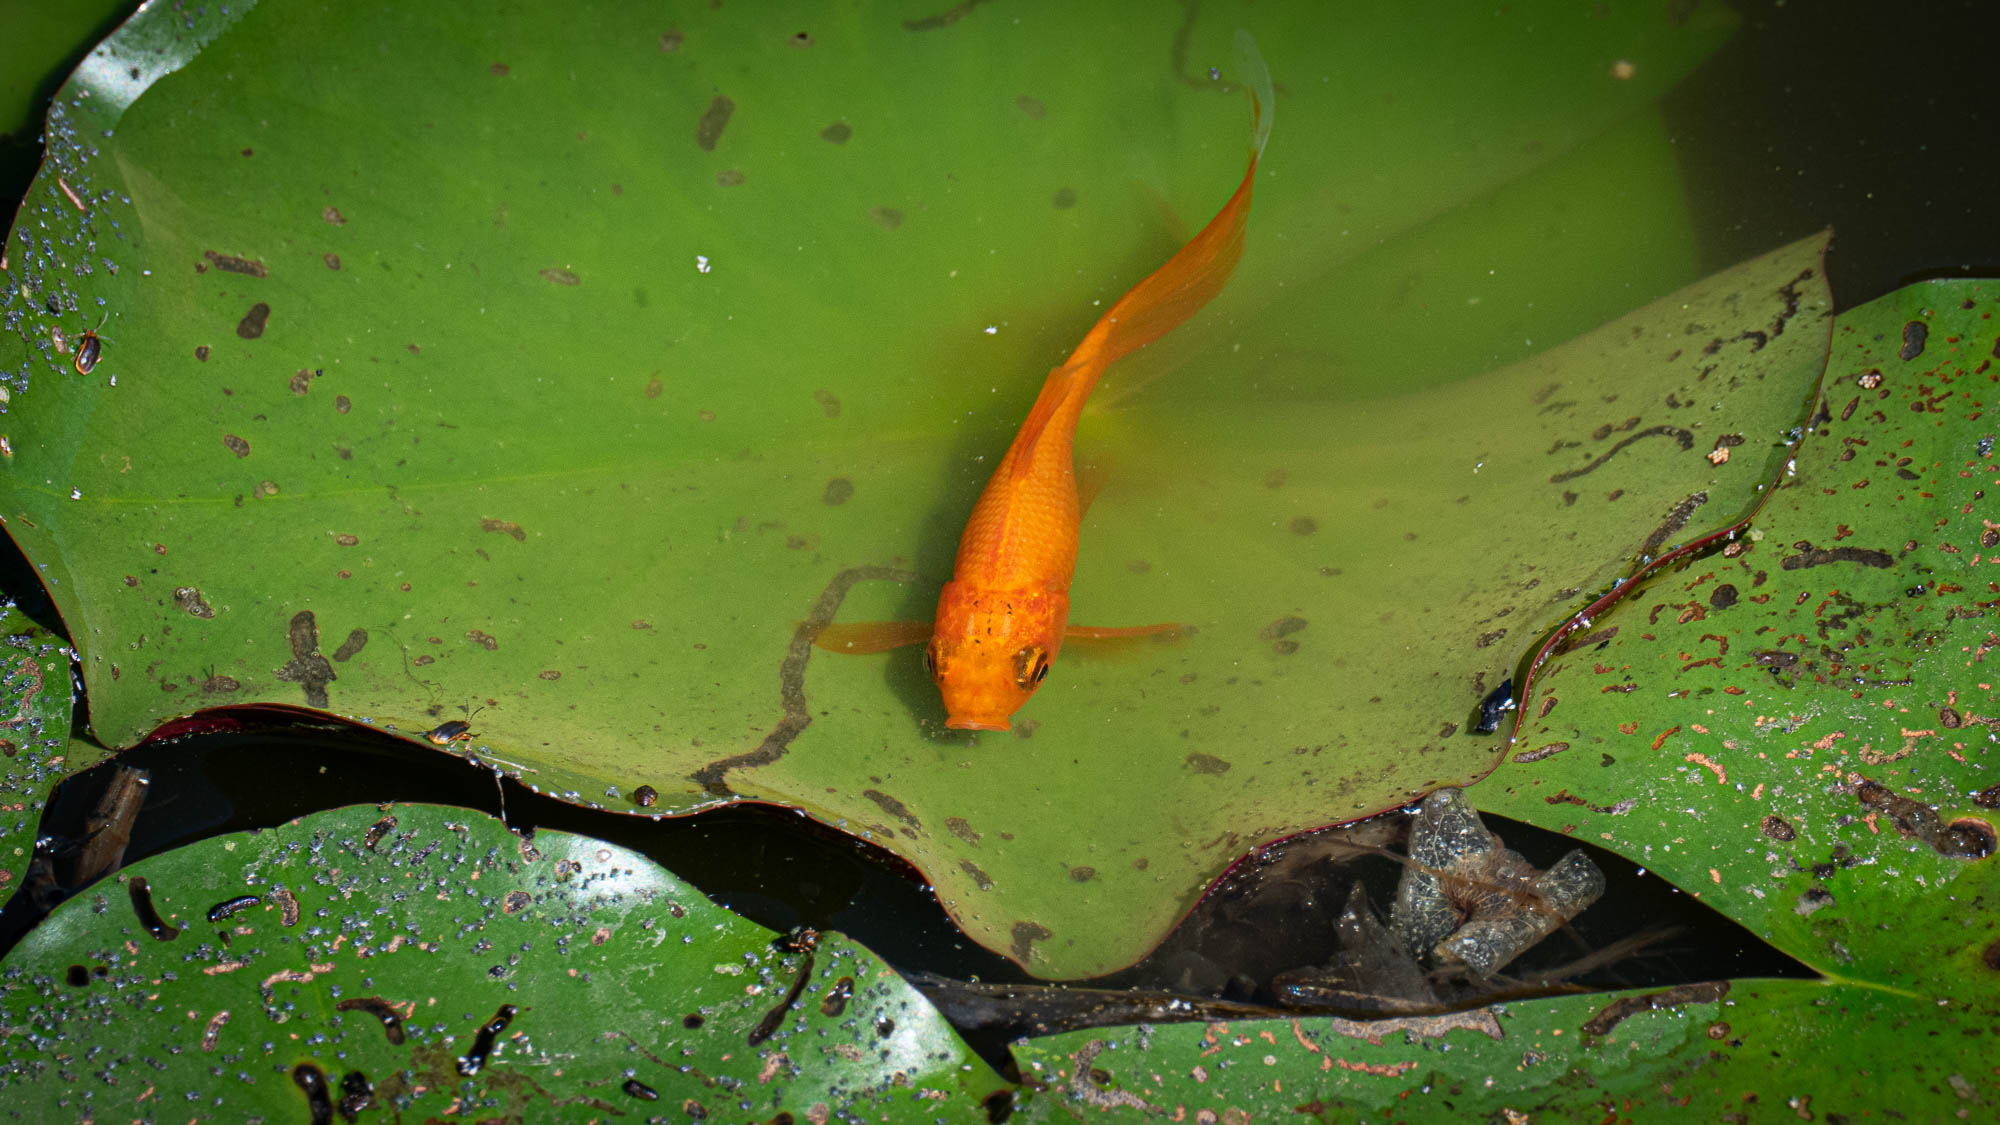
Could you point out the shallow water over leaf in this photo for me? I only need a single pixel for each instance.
(561, 369)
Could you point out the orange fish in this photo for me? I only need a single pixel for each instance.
(1004, 615)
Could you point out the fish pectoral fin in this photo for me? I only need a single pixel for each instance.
(858, 637)
(1104, 639)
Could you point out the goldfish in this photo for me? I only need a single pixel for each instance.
(1002, 618)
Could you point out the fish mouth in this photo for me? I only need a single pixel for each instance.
(975, 722)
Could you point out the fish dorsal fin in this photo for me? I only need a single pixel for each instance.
(1169, 295)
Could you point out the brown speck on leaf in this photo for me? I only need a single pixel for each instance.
(670, 40)
(836, 133)
(253, 322)
(705, 415)
(1031, 106)
(1284, 648)
(641, 623)
(838, 491)
(829, 405)
(505, 527)
(499, 70)
(333, 216)
(549, 674)
(1206, 763)
(483, 640)
(558, 276)
(514, 902)
(159, 548)
(131, 580)
(332, 261)
(1082, 874)
(346, 540)
(889, 217)
(301, 381)
(654, 387)
(201, 352)
(714, 119)
(962, 828)
(236, 445)
(1777, 828)
(1304, 525)
(342, 404)
(730, 177)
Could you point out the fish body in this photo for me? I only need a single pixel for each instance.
(1002, 618)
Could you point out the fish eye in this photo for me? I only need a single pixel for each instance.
(1031, 667)
(931, 661)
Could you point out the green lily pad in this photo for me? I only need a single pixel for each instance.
(1706, 1051)
(368, 949)
(1800, 727)
(35, 747)
(561, 365)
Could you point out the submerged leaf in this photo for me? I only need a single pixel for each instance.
(561, 365)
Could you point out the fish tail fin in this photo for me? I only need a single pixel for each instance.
(1169, 295)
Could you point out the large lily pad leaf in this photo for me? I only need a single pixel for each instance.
(562, 363)
(366, 952)
(35, 746)
(1801, 727)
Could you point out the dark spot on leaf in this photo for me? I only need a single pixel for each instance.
(232, 264)
(474, 1060)
(353, 644)
(640, 1090)
(1031, 106)
(1082, 874)
(730, 177)
(1284, 648)
(482, 639)
(1065, 199)
(77, 976)
(331, 261)
(999, 1106)
(288, 907)
(342, 405)
(149, 918)
(376, 831)
(893, 807)
(1206, 763)
(838, 491)
(654, 387)
(1546, 750)
(253, 322)
(505, 527)
(889, 217)
(829, 405)
(515, 902)
(1486, 639)
(836, 133)
(1614, 1013)
(307, 668)
(201, 352)
(979, 878)
(962, 829)
(319, 1102)
(558, 276)
(1722, 597)
(1778, 828)
(549, 674)
(693, 1020)
(1818, 556)
(1915, 333)
(1304, 525)
(714, 119)
(236, 445)
(835, 1001)
(499, 70)
(1282, 627)
(670, 40)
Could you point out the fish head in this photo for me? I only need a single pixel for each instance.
(991, 649)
